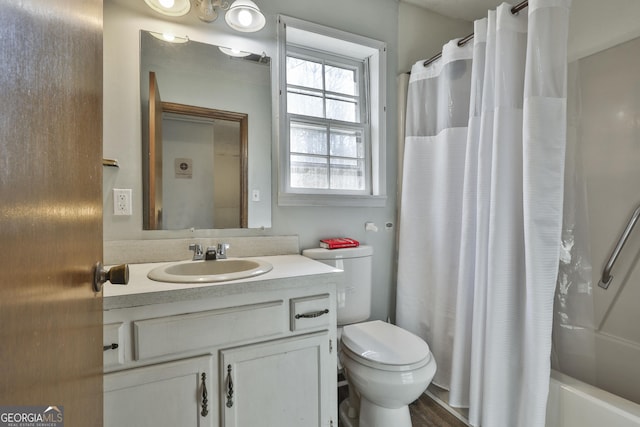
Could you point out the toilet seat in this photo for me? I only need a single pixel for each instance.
(384, 346)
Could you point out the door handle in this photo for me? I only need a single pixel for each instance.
(118, 275)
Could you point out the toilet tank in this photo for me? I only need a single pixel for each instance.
(354, 293)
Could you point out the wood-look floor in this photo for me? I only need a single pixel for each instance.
(425, 412)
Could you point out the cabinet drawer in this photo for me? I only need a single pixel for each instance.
(309, 312)
(112, 337)
(186, 332)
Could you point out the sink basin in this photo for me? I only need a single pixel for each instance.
(209, 271)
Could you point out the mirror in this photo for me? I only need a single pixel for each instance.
(203, 108)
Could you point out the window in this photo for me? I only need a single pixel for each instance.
(327, 122)
(331, 116)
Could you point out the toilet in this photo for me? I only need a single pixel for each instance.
(386, 366)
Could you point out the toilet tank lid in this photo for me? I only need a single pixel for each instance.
(384, 343)
(321, 253)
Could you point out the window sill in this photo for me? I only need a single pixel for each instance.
(334, 200)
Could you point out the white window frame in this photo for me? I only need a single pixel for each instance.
(296, 34)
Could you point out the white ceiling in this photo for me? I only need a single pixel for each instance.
(468, 10)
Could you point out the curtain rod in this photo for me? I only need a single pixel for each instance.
(514, 10)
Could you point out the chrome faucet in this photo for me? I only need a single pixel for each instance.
(219, 252)
(198, 253)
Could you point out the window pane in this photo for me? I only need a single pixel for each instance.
(347, 143)
(342, 110)
(347, 174)
(304, 73)
(306, 105)
(309, 172)
(308, 139)
(341, 80)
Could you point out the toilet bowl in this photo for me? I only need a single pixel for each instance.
(387, 368)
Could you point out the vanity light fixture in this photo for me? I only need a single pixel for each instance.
(207, 9)
(170, 7)
(242, 15)
(245, 16)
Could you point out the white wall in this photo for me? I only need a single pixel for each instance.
(422, 33)
(122, 113)
(595, 25)
(192, 200)
(609, 148)
(411, 34)
(371, 18)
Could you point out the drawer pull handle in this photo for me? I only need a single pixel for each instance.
(205, 411)
(110, 347)
(313, 314)
(229, 387)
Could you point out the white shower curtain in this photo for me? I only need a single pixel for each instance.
(481, 212)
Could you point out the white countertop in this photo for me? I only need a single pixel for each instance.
(144, 291)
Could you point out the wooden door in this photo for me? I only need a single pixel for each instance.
(51, 206)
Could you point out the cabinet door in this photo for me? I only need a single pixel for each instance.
(279, 383)
(168, 394)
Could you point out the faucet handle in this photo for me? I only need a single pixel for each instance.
(222, 250)
(198, 253)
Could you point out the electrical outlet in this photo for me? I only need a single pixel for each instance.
(122, 201)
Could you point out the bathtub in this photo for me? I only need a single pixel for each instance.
(573, 403)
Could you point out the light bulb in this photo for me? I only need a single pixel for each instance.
(168, 37)
(244, 18)
(168, 4)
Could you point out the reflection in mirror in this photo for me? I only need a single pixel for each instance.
(203, 166)
(200, 108)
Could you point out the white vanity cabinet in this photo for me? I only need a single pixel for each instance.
(262, 354)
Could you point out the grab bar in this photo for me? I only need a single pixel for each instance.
(605, 281)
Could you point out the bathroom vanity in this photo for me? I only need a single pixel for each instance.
(253, 352)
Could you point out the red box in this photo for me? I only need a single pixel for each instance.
(338, 243)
